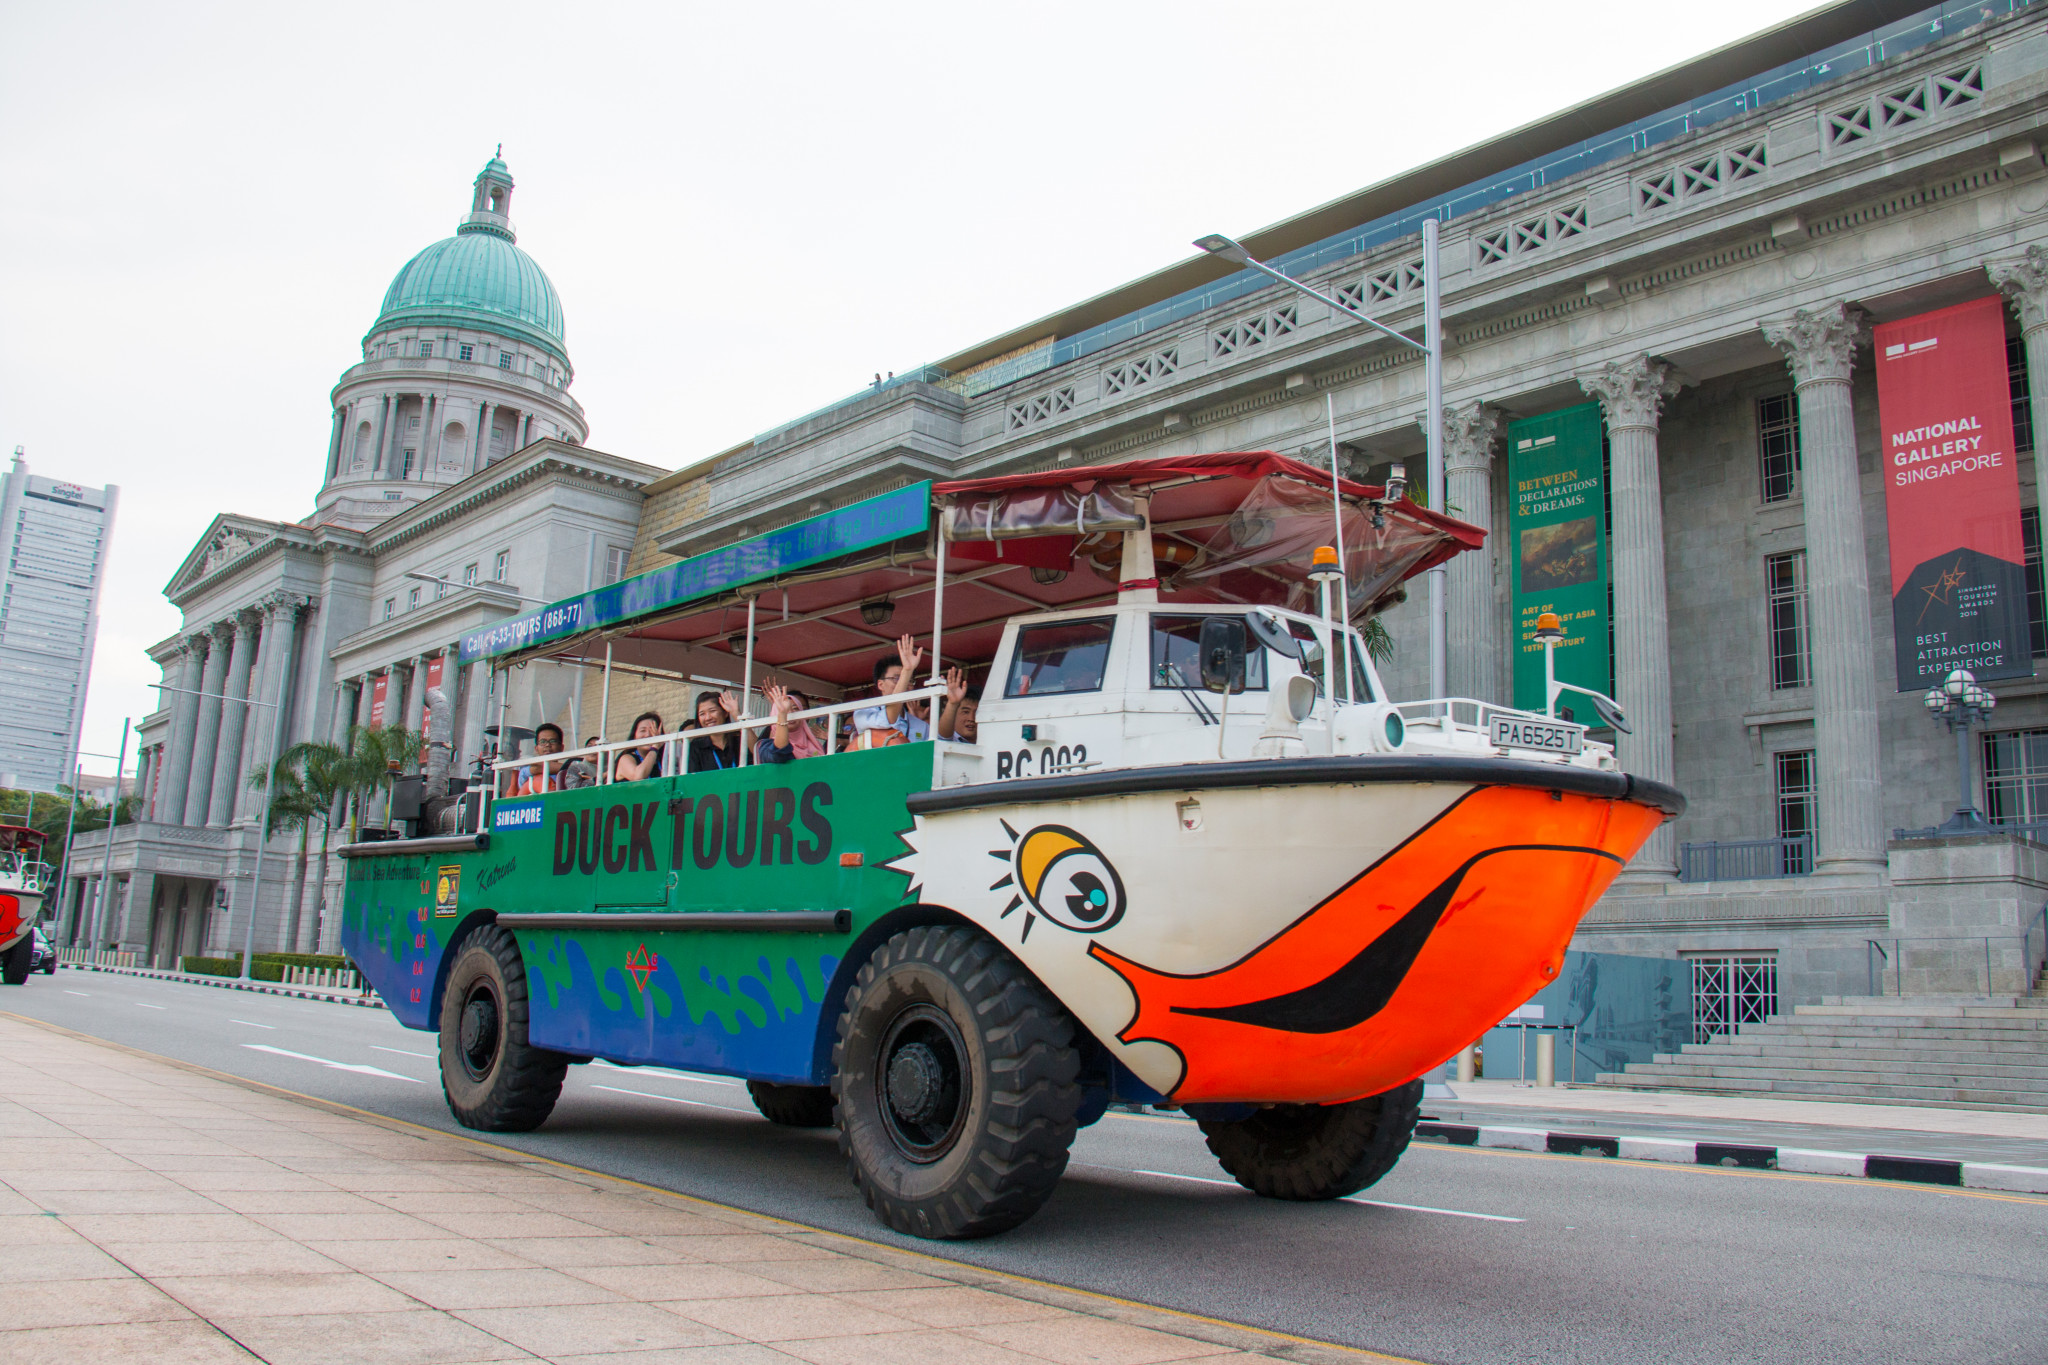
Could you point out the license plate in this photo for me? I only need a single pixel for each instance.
(1512, 732)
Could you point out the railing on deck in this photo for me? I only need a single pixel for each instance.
(1746, 860)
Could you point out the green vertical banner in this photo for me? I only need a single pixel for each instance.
(1557, 534)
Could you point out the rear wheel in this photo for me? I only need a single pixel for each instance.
(1317, 1151)
(15, 962)
(793, 1106)
(955, 1075)
(493, 1077)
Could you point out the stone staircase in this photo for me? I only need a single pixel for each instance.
(1983, 1053)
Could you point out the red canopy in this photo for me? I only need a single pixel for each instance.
(1227, 528)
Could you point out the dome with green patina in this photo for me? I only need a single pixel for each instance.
(479, 278)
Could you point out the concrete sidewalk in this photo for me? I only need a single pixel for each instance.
(155, 1212)
(1913, 1130)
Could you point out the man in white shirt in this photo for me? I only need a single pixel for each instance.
(891, 677)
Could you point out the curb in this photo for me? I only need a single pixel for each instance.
(229, 983)
(1974, 1175)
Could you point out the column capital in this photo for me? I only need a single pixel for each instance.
(198, 642)
(2024, 281)
(1820, 343)
(1632, 391)
(1470, 430)
(224, 631)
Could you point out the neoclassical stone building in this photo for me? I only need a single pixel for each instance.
(456, 486)
(1705, 265)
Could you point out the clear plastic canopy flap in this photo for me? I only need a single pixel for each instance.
(1065, 509)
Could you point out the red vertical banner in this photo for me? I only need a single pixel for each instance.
(434, 671)
(1952, 496)
(377, 700)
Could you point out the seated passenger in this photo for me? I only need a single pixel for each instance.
(957, 716)
(715, 751)
(544, 776)
(635, 764)
(788, 740)
(872, 725)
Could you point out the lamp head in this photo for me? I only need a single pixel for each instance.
(1323, 565)
(1216, 244)
(1397, 482)
(877, 613)
(1958, 682)
(1935, 701)
(1549, 628)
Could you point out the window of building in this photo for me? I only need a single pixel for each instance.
(1729, 991)
(615, 562)
(390, 607)
(412, 599)
(501, 565)
(426, 349)
(504, 360)
(1777, 446)
(440, 589)
(466, 352)
(2016, 776)
(1798, 813)
(2022, 396)
(1785, 609)
(406, 471)
(469, 574)
(2037, 599)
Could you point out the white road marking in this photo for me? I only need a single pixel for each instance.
(403, 1053)
(672, 1099)
(246, 1024)
(337, 1066)
(696, 1076)
(140, 1005)
(78, 993)
(1350, 1199)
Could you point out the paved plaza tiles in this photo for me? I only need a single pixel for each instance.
(153, 1211)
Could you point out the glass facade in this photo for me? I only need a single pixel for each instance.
(55, 546)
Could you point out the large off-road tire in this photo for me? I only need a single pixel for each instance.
(493, 1077)
(793, 1106)
(954, 1072)
(14, 962)
(1317, 1151)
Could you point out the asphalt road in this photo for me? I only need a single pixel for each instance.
(1460, 1254)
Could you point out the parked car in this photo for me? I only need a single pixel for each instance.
(43, 956)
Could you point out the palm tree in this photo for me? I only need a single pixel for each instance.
(314, 779)
(375, 757)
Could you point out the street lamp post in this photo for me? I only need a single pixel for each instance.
(1432, 348)
(1960, 704)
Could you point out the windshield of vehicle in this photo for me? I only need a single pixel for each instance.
(1177, 654)
(1060, 656)
(1361, 676)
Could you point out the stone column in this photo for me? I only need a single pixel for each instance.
(430, 442)
(227, 767)
(415, 691)
(144, 760)
(206, 736)
(334, 444)
(476, 701)
(384, 419)
(1820, 346)
(1470, 431)
(366, 699)
(184, 676)
(249, 801)
(525, 429)
(483, 435)
(1631, 393)
(280, 630)
(2025, 282)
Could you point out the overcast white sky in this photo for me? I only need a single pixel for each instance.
(748, 210)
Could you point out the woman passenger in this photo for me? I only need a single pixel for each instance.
(715, 751)
(636, 764)
(788, 740)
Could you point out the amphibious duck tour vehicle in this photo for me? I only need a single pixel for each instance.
(24, 879)
(1193, 856)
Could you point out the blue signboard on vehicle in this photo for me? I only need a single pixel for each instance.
(866, 524)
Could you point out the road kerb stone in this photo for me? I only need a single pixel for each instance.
(1985, 1175)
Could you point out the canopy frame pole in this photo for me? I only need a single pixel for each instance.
(747, 679)
(604, 701)
(1433, 384)
(1337, 511)
(939, 608)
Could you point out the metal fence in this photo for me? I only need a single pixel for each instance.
(1739, 860)
(1728, 992)
(1942, 964)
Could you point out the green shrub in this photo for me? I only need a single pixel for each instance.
(212, 966)
(267, 966)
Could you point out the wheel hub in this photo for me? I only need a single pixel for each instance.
(922, 1084)
(477, 1036)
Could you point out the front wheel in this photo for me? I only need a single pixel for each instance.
(14, 963)
(955, 1076)
(495, 1080)
(1317, 1151)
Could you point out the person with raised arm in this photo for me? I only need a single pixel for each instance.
(872, 724)
(788, 740)
(711, 752)
(957, 716)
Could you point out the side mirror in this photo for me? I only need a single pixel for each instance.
(1223, 650)
(1611, 713)
(1270, 631)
